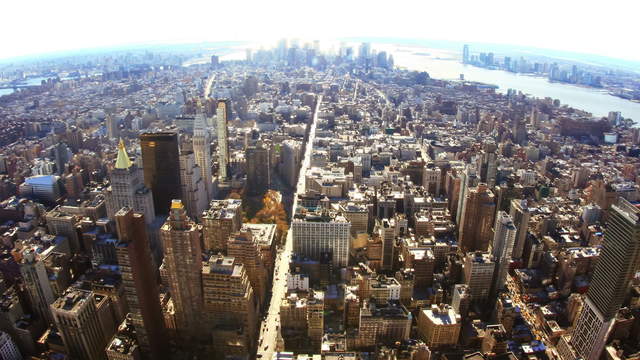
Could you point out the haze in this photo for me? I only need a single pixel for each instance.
(46, 26)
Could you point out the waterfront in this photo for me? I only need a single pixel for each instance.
(441, 64)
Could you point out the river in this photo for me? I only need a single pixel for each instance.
(441, 64)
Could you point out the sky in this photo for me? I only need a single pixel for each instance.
(31, 27)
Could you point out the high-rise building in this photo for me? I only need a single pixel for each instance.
(229, 306)
(290, 156)
(246, 251)
(62, 156)
(387, 231)
(477, 219)
(221, 220)
(461, 299)
(439, 326)
(465, 54)
(318, 233)
(161, 160)
(520, 215)
(77, 320)
(502, 248)
(202, 151)
(111, 123)
(382, 324)
(127, 189)
(182, 269)
(616, 267)
(478, 275)
(139, 282)
(124, 344)
(258, 169)
(8, 349)
(36, 281)
(60, 222)
(302, 316)
(193, 191)
(469, 179)
(222, 114)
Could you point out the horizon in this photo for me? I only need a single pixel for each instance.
(74, 27)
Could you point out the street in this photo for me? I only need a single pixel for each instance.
(271, 325)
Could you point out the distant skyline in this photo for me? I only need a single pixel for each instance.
(31, 28)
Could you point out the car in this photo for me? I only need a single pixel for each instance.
(266, 347)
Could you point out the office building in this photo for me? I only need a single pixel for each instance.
(439, 326)
(194, 193)
(302, 318)
(111, 123)
(478, 271)
(616, 267)
(140, 284)
(60, 222)
(229, 306)
(127, 189)
(290, 157)
(469, 179)
(222, 118)
(318, 233)
(124, 344)
(160, 161)
(465, 54)
(202, 151)
(36, 281)
(246, 251)
(258, 169)
(477, 219)
(221, 220)
(461, 299)
(382, 324)
(387, 231)
(182, 269)
(502, 248)
(520, 215)
(76, 317)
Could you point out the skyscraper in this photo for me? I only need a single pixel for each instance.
(194, 193)
(223, 138)
(36, 281)
(230, 306)
(520, 215)
(477, 218)
(478, 274)
(502, 248)
(182, 269)
(76, 317)
(258, 169)
(202, 150)
(465, 54)
(161, 160)
(315, 234)
(127, 189)
(221, 220)
(246, 251)
(617, 265)
(111, 123)
(139, 282)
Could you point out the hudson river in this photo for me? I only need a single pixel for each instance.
(444, 65)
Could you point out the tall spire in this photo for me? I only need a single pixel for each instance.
(122, 161)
